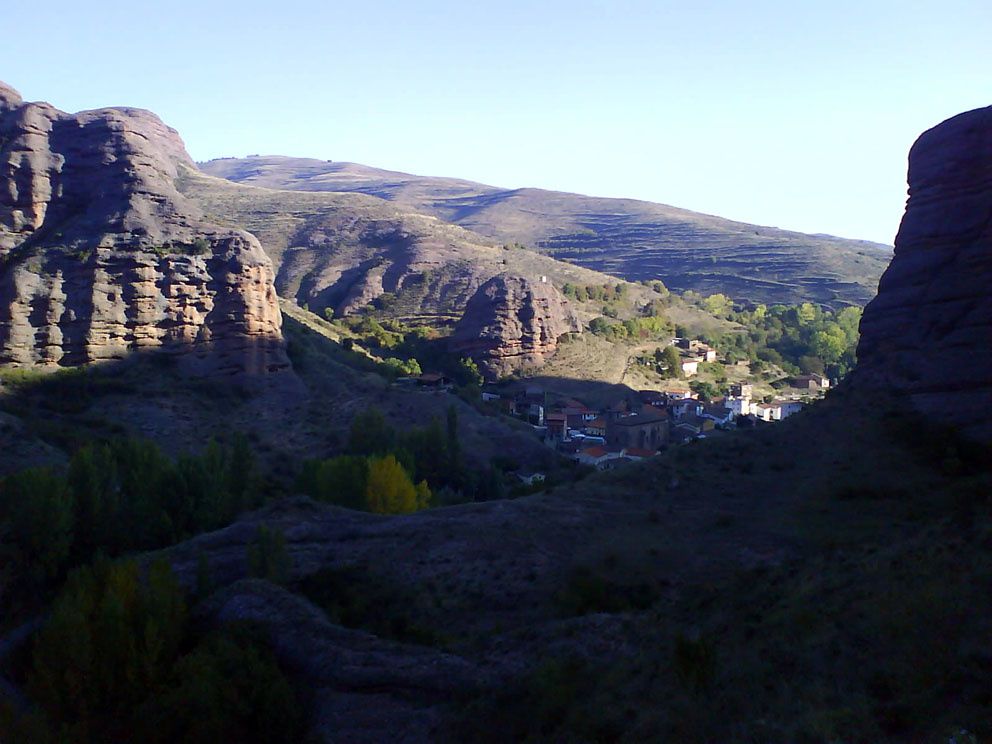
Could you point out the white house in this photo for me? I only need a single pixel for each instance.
(690, 366)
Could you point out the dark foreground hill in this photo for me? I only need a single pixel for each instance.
(632, 239)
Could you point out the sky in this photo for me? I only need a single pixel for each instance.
(792, 114)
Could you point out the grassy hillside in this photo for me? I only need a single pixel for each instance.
(624, 237)
(341, 251)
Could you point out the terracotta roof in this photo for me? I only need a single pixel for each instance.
(596, 423)
(594, 451)
(640, 452)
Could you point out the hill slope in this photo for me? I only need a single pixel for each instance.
(624, 237)
(343, 250)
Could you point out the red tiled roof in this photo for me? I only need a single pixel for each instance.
(594, 451)
(640, 452)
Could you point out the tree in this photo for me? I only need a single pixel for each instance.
(110, 639)
(37, 508)
(370, 434)
(717, 304)
(671, 362)
(389, 489)
(339, 480)
(267, 556)
(454, 448)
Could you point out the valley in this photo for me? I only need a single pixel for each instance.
(300, 451)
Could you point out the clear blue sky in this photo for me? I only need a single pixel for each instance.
(796, 114)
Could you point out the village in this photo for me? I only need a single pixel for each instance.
(639, 424)
(642, 423)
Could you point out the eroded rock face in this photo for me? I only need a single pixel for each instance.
(511, 323)
(927, 334)
(101, 256)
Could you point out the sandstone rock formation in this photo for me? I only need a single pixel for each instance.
(102, 256)
(927, 333)
(511, 323)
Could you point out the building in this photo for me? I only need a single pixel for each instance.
(595, 428)
(530, 479)
(644, 430)
(768, 411)
(557, 424)
(652, 398)
(685, 407)
(790, 407)
(434, 380)
(718, 412)
(690, 366)
(636, 453)
(810, 382)
(598, 456)
(742, 390)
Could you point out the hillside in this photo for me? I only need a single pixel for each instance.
(342, 251)
(624, 237)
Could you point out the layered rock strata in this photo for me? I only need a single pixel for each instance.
(101, 256)
(511, 323)
(928, 333)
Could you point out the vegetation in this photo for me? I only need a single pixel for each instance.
(119, 661)
(116, 498)
(799, 338)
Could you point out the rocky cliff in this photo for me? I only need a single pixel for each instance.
(511, 323)
(927, 333)
(102, 256)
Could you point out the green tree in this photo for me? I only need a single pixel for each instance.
(671, 363)
(36, 512)
(228, 689)
(370, 434)
(267, 556)
(717, 304)
(110, 639)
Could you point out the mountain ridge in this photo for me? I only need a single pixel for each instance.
(630, 238)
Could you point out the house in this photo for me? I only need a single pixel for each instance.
(790, 407)
(615, 411)
(685, 407)
(742, 390)
(678, 393)
(636, 453)
(577, 416)
(557, 424)
(644, 430)
(768, 411)
(690, 366)
(595, 428)
(599, 456)
(810, 382)
(434, 380)
(718, 412)
(532, 412)
(739, 406)
(530, 479)
(691, 427)
(652, 398)
(707, 352)
(488, 395)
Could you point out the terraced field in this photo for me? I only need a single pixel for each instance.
(623, 237)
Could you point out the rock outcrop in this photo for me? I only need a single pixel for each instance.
(101, 256)
(926, 335)
(511, 323)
